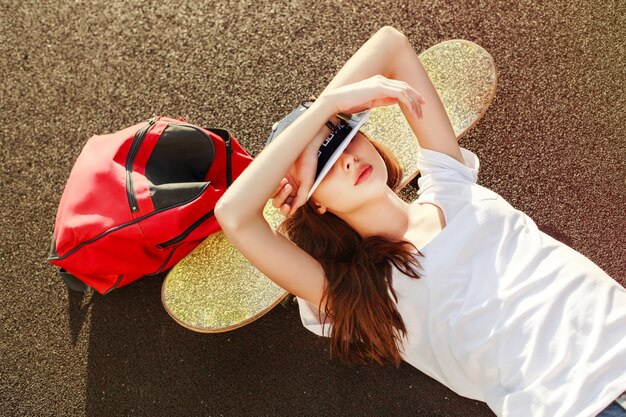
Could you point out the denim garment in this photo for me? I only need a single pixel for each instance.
(613, 410)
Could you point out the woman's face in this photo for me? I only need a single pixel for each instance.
(338, 191)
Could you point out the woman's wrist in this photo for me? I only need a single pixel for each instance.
(326, 105)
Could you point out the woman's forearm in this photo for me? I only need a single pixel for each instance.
(246, 198)
(389, 53)
(377, 56)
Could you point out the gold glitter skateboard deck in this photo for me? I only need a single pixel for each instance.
(215, 288)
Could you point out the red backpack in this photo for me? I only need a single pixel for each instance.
(138, 200)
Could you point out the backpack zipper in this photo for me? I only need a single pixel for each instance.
(187, 231)
(114, 285)
(134, 148)
(113, 229)
(229, 151)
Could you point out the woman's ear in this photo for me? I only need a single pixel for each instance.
(318, 207)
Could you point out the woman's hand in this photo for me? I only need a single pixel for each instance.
(372, 92)
(299, 178)
(282, 197)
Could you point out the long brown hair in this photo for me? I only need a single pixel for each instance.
(365, 321)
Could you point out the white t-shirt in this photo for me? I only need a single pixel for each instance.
(504, 313)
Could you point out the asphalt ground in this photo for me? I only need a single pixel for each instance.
(551, 144)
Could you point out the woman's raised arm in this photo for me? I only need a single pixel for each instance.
(389, 53)
(354, 88)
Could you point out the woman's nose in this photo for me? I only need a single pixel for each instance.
(348, 160)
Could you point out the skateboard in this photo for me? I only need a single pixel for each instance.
(216, 289)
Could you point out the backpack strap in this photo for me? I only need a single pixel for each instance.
(227, 138)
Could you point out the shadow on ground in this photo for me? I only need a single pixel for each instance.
(141, 362)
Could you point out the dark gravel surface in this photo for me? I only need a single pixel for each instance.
(551, 144)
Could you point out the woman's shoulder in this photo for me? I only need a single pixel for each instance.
(437, 165)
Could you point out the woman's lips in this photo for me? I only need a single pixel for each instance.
(364, 175)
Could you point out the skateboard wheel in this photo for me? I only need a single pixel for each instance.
(289, 301)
